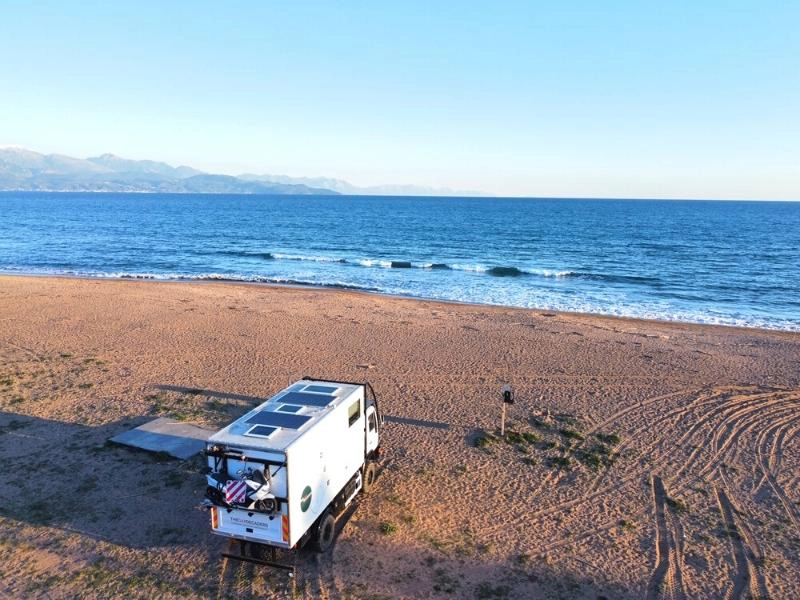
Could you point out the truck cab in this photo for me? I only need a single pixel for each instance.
(373, 436)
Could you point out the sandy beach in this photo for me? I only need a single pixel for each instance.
(646, 459)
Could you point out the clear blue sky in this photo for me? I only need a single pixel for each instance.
(627, 99)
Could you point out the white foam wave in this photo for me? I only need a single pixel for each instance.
(480, 268)
(473, 268)
(302, 257)
(372, 262)
(550, 273)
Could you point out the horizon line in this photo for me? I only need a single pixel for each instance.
(418, 196)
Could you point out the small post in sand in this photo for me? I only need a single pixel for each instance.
(508, 398)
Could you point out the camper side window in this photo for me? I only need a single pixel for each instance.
(354, 412)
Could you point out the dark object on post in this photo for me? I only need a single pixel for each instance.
(508, 398)
(508, 395)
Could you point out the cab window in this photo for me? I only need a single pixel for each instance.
(354, 412)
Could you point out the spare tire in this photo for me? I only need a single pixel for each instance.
(368, 479)
(324, 533)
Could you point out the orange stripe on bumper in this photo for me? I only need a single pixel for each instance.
(285, 526)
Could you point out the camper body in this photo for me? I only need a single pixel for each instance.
(280, 474)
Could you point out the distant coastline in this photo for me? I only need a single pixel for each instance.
(23, 170)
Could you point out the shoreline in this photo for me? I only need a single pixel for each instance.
(355, 290)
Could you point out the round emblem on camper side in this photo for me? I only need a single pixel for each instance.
(305, 499)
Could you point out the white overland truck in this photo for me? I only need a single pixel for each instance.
(279, 476)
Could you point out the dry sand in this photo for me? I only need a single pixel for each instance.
(698, 497)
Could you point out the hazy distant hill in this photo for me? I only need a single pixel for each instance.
(124, 165)
(344, 187)
(22, 169)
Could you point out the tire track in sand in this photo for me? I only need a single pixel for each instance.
(552, 479)
(731, 403)
(234, 577)
(771, 454)
(736, 420)
(769, 457)
(315, 577)
(315, 572)
(592, 491)
(718, 396)
(747, 577)
(776, 452)
(733, 407)
(666, 581)
(736, 424)
(731, 414)
(680, 486)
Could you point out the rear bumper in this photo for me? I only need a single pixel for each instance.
(250, 526)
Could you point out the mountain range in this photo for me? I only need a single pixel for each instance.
(25, 170)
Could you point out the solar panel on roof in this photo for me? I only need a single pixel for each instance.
(321, 389)
(261, 431)
(289, 408)
(307, 399)
(270, 417)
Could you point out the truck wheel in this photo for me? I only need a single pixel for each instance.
(323, 536)
(368, 480)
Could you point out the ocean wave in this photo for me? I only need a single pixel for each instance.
(500, 270)
(473, 268)
(511, 271)
(301, 257)
(371, 262)
(506, 272)
(551, 273)
(339, 285)
(383, 263)
(245, 254)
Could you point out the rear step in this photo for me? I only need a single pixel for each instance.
(271, 552)
(258, 561)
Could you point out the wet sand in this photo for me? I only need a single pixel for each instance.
(645, 459)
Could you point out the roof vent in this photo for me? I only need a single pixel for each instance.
(261, 431)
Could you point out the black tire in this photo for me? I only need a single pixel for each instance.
(324, 534)
(368, 478)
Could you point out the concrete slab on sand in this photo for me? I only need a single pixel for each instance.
(177, 439)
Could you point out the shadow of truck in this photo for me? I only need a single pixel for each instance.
(66, 475)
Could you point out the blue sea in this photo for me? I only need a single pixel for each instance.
(732, 263)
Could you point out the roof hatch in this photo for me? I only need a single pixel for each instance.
(261, 431)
